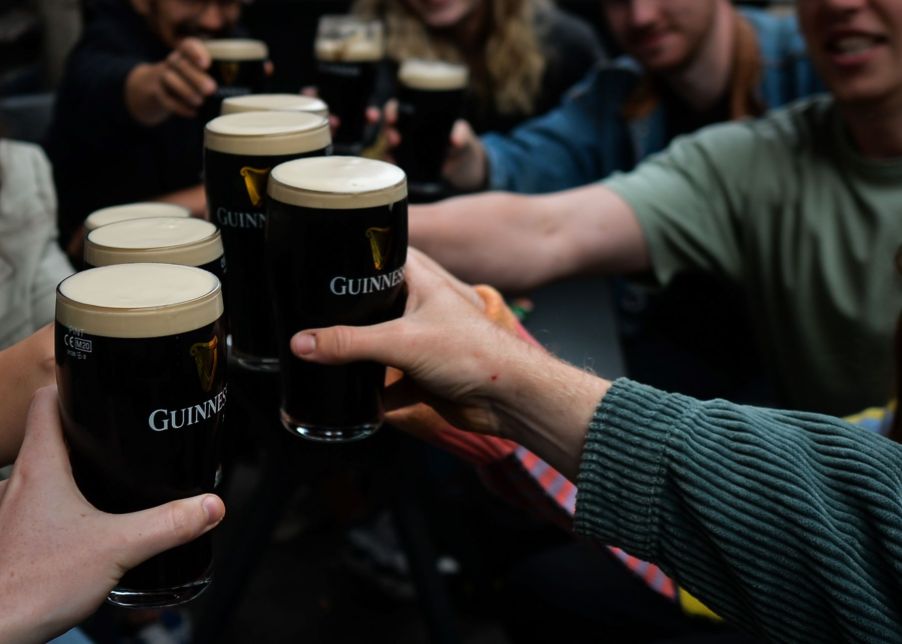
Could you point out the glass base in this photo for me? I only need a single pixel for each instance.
(321, 434)
(159, 598)
(255, 363)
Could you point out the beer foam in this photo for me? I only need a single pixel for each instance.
(274, 103)
(354, 49)
(190, 242)
(125, 212)
(139, 300)
(237, 49)
(337, 183)
(267, 133)
(433, 75)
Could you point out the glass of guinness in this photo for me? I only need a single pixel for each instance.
(189, 242)
(125, 212)
(275, 103)
(348, 52)
(238, 68)
(141, 371)
(240, 150)
(430, 100)
(336, 245)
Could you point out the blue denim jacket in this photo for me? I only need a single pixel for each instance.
(586, 138)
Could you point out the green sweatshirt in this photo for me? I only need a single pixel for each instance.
(788, 524)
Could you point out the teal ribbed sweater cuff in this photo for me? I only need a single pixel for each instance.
(622, 469)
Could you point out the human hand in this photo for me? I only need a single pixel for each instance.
(465, 167)
(178, 85)
(60, 556)
(454, 358)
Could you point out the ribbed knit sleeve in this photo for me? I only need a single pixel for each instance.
(787, 524)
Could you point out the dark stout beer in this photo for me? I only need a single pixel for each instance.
(240, 151)
(336, 245)
(238, 67)
(189, 242)
(125, 212)
(140, 365)
(348, 53)
(430, 99)
(275, 103)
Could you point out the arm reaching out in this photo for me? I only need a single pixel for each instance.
(516, 242)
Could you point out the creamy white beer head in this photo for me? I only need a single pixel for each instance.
(433, 75)
(237, 49)
(191, 242)
(142, 210)
(337, 183)
(275, 103)
(139, 300)
(267, 133)
(349, 39)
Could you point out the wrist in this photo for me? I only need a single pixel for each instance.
(546, 406)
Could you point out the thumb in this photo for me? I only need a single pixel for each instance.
(150, 532)
(460, 134)
(343, 344)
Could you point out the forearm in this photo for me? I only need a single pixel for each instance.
(516, 242)
(784, 523)
(193, 198)
(24, 368)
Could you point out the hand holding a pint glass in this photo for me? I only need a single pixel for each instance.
(477, 375)
(178, 85)
(59, 556)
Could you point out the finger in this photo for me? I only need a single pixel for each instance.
(150, 532)
(268, 68)
(392, 137)
(310, 91)
(343, 344)
(43, 447)
(192, 75)
(460, 134)
(178, 88)
(176, 106)
(373, 115)
(193, 49)
(390, 112)
(424, 273)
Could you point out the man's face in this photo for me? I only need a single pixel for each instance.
(663, 35)
(856, 46)
(443, 14)
(173, 20)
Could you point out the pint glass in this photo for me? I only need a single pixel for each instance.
(141, 210)
(141, 374)
(348, 53)
(430, 99)
(336, 245)
(240, 151)
(275, 103)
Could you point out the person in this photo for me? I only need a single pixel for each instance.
(785, 523)
(125, 126)
(59, 555)
(31, 262)
(796, 208)
(523, 55)
(686, 64)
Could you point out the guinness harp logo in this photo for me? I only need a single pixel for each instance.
(228, 71)
(380, 245)
(206, 357)
(255, 183)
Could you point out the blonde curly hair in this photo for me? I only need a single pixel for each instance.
(507, 74)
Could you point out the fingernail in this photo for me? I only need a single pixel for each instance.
(303, 344)
(212, 509)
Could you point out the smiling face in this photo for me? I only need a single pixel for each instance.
(856, 46)
(173, 20)
(443, 14)
(663, 35)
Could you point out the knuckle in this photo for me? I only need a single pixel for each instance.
(179, 521)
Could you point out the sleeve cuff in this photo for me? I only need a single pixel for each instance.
(623, 466)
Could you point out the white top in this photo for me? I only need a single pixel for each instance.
(190, 242)
(433, 75)
(125, 212)
(139, 300)
(237, 49)
(274, 102)
(337, 182)
(267, 133)
(349, 39)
